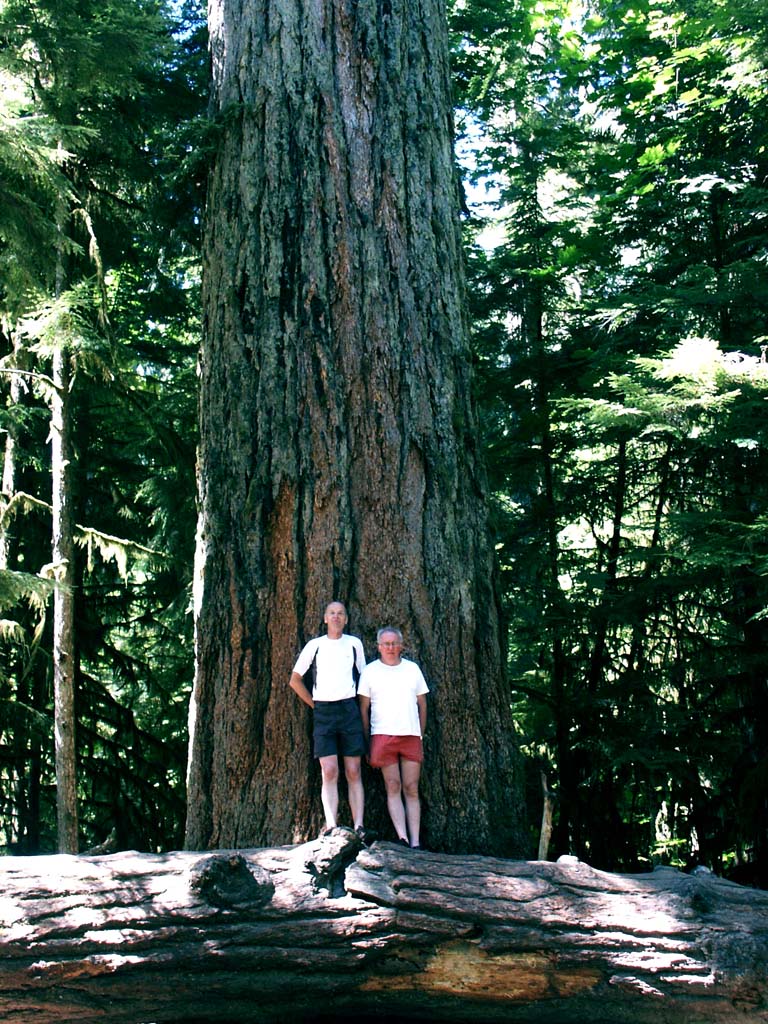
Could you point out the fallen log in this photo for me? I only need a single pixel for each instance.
(330, 930)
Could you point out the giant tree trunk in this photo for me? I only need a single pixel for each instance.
(338, 456)
(255, 937)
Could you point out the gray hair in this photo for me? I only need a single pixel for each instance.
(389, 629)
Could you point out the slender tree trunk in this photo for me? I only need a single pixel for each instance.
(8, 482)
(568, 819)
(600, 658)
(7, 489)
(338, 455)
(27, 686)
(63, 606)
(545, 834)
(567, 825)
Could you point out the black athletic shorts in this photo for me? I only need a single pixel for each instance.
(338, 728)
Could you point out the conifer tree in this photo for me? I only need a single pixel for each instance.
(338, 450)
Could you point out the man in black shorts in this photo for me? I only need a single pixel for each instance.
(338, 729)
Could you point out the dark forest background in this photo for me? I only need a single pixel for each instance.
(615, 201)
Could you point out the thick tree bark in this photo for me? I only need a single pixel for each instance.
(257, 936)
(338, 456)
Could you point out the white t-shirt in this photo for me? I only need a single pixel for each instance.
(393, 690)
(333, 667)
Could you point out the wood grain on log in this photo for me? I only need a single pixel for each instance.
(261, 935)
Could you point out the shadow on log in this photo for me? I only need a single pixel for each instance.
(261, 936)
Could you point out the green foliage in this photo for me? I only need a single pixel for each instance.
(105, 103)
(18, 586)
(620, 323)
(617, 192)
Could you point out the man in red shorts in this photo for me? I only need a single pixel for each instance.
(393, 703)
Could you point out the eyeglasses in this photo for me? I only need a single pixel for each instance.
(390, 643)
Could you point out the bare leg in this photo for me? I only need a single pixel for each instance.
(329, 793)
(410, 772)
(354, 789)
(391, 774)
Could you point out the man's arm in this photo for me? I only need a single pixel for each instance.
(298, 686)
(359, 655)
(421, 700)
(365, 714)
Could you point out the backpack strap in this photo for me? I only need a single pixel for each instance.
(355, 669)
(312, 672)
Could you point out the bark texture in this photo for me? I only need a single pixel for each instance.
(338, 455)
(63, 551)
(258, 936)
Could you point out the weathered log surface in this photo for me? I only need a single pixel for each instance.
(259, 935)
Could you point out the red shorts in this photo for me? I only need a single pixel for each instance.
(387, 750)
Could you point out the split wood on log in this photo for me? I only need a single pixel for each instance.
(331, 930)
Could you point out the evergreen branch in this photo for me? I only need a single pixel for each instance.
(17, 586)
(28, 373)
(11, 630)
(24, 501)
(537, 695)
(108, 545)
